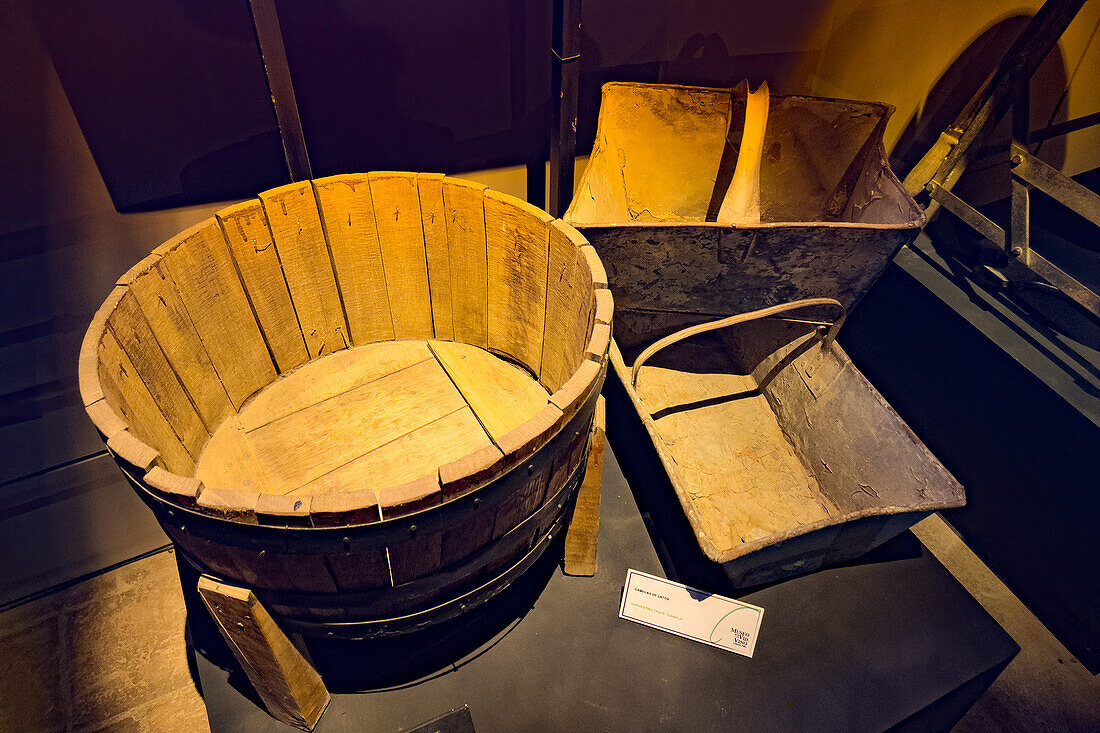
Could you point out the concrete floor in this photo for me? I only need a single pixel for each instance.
(1044, 687)
(109, 655)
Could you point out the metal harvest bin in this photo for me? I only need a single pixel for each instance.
(782, 455)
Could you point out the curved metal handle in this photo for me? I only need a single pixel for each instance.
(733, 321)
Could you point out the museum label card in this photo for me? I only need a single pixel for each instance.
(693, 614)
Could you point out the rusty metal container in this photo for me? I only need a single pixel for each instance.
(833, 214)
(783, 457)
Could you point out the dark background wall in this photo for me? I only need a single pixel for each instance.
(126, 121)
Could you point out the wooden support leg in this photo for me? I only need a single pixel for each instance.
(289, 686)
(580, 538)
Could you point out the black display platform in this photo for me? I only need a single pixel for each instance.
(890, 641)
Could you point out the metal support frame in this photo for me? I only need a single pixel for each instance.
(564, 81)
(1037, 174)
(265, 21)
(1008, 90)
(1028, 265)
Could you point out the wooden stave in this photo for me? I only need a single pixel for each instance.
(241, 505)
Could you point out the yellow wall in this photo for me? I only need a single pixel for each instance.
(897, 50)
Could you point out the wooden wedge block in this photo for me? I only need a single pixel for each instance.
(580, 537)
(290, 687)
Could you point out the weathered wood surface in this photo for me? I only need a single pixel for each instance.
(517, 244)
(304, 445)
(741, 204)
(427, 554)
(291, 689)
(133, 334)
(199, 263)
(429, 187)
(417, 453)
(401, 236)
(249, 236)
(126, 391)
(501, 395)
(326, 378)
(347, 211)
(295, 225)
(719, 271)
(464, 215)
(176, 335)
(584, 526)
(659, 147)
(371, 416)
(247, 371)
(181, 489)
(570, 297)
(132, 452)
(733, 462)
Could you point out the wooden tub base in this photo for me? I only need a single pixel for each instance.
(377, 415)
(274, 657)
(362, 400)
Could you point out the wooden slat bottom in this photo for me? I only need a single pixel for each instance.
(369, 417)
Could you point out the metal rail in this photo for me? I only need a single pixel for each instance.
(564, 81)
(265, 21)
(1008, 91)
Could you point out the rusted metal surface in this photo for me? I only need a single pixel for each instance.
(782, 455)
(833, 214)
(720, 271)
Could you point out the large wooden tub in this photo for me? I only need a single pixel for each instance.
(783, 456)
(367, 397)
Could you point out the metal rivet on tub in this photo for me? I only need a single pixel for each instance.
(412, 530)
